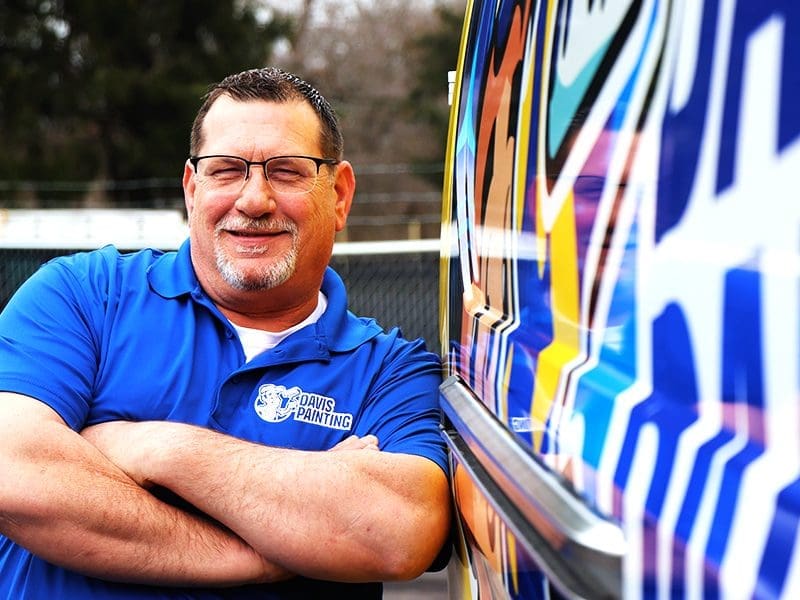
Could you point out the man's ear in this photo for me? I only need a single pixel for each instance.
(189, 186)
(345, 188)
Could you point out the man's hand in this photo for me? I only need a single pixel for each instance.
(368, 442)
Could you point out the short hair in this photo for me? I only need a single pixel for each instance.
(274, 85)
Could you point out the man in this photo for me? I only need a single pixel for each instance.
(212, 422)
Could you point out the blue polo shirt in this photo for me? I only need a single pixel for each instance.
(104, 336)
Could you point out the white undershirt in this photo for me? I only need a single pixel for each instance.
(255, 341)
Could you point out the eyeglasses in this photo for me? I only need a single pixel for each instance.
(285, 174)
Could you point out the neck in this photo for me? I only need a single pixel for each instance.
(263, 310)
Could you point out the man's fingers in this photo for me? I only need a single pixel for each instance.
(368, 442)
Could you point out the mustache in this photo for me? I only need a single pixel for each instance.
(267, 225)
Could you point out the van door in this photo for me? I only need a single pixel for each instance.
(620, 299)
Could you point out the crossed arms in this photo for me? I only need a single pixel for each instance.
(352, 514)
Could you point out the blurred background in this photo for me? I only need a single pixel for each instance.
(97, 98)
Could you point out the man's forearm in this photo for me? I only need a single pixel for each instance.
(349, 515)
(66, 503)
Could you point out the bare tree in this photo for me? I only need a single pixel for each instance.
(357, 53)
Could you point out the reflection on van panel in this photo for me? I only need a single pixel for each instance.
(621, 299)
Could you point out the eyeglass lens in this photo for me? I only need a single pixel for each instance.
(287, 175)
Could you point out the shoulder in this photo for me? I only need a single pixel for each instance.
(104, 261)
(402, 347)
(388, 356)
(86, 277)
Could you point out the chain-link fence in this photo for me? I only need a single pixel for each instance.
(398, 287)
(395, 201)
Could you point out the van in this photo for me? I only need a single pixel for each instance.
(620, 299)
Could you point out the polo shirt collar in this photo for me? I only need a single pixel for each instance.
(343, 330)
(172, 275)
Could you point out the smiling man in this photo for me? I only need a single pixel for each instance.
(214, 422)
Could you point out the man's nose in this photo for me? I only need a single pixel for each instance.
(256, 197)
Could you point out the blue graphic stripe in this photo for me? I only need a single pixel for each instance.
(598, 389)
(684, 133)
(674, 384)
(742, 387)
(780, 543)
(748, 17)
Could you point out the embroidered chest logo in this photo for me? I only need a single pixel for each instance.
(275, 403)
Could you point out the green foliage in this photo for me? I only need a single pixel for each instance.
(106, 91)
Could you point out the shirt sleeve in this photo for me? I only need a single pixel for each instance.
(48, 344)
(402, 408)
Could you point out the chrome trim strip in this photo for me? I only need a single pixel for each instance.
(584, 550)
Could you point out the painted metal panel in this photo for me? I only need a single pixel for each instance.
(621, 272)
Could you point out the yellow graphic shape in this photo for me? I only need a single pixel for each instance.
(564, 302)
(511, 542)
(541, 146)
(502, 403)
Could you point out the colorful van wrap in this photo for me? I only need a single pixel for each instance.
(620, 299)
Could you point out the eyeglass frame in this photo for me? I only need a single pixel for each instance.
(193, 160)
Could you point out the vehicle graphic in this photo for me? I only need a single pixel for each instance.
(620, 299)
